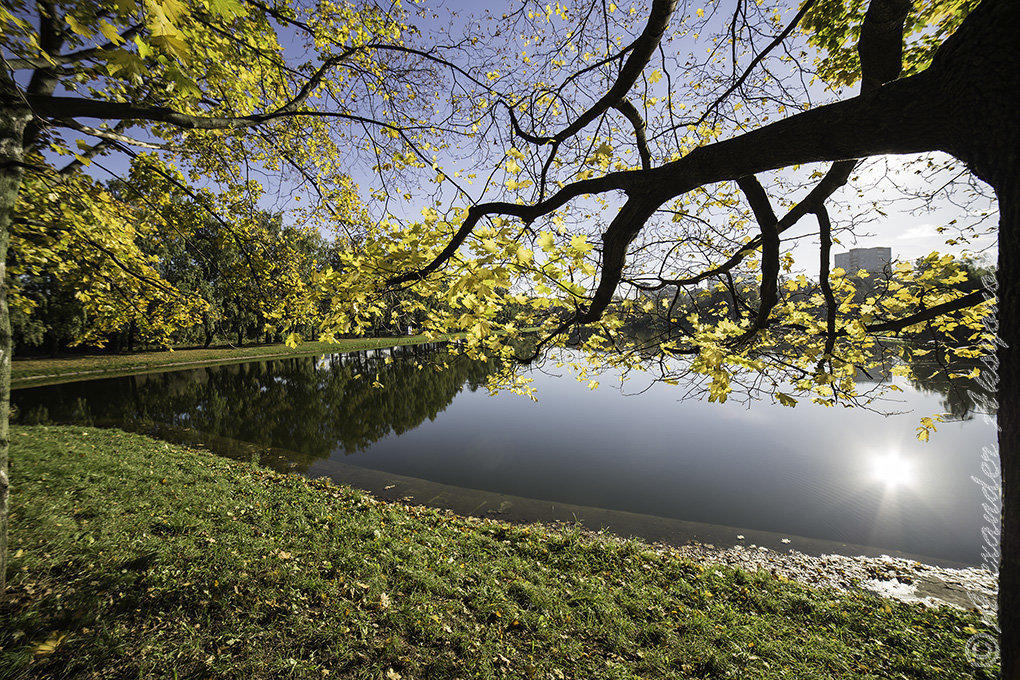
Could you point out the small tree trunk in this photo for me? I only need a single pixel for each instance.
(13, 119)
(207, 327)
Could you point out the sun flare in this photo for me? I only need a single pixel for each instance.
(892, 470)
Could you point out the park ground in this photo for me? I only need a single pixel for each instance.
(135, 558)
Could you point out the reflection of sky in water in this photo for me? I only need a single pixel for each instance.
(836, 473)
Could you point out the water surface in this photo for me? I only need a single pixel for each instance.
(835, 474)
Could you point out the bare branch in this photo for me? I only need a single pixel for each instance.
(778, 40)
(640, 52)
(109, 135)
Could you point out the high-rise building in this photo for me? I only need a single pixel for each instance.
(872, 260)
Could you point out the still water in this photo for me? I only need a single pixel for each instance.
(668, 468)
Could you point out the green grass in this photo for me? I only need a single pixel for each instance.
(133, 558)
(49, 371)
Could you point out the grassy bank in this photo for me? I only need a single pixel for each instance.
(48, 371)
(133, 558)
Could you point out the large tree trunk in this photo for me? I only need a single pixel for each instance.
(981, 70)
(1009, 419)
(13, 119)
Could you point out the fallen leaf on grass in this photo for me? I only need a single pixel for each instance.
(392, 674)
(50, 646)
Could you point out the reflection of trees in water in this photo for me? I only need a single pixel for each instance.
(309, 405)
(961, 397)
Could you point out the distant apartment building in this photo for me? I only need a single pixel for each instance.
(872, 260)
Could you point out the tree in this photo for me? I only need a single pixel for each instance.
(89, 245)
(220, 90)
(623, 164)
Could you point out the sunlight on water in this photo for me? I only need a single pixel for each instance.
(892, 470)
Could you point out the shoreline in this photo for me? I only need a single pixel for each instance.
(900, 576)
(912, 582)
(40, 372)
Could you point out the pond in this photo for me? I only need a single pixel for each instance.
(638, 460)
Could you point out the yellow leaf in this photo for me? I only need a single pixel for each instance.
(50, 646)
(546, 241)
(110, 32)
(77, 27)
(172, 44)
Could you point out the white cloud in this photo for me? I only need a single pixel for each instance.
(919, 232)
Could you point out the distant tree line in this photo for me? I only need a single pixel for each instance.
(734, 296)
(181, 274)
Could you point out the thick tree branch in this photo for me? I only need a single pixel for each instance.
(24, 63)
(968, 300)
(836, 177)
(880, 46)
(622, 230)
(825, 236)
(768, 223)
(627, 108)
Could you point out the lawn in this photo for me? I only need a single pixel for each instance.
(134, 558)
